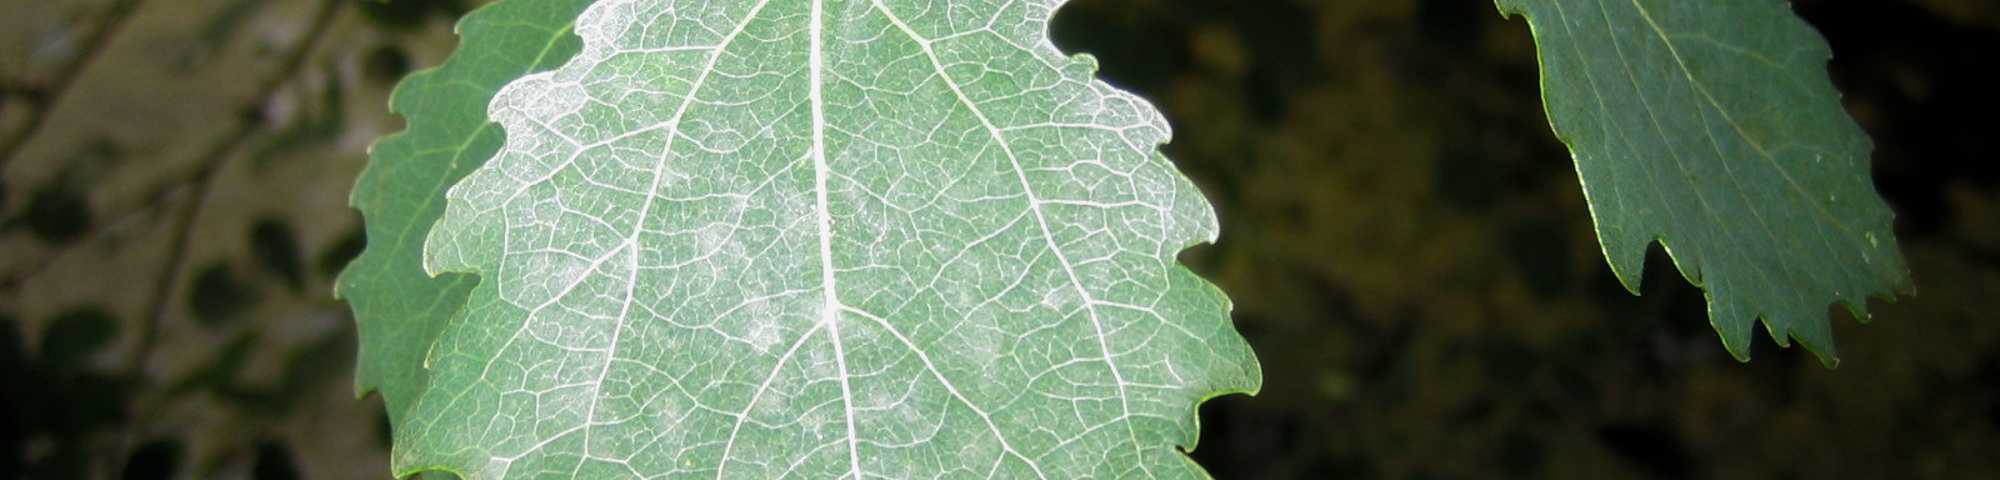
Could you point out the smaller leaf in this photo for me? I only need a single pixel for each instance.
(1712, 128)
(218, 297)
(386, 64)
(277, 249)
(158, 459)
(408, 14)
(58, 213)
(274, 462)
(336, 256)
(398, 308)
(76, 334)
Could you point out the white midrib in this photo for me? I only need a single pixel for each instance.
(831, 308)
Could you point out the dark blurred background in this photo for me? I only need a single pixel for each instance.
(1405, 241)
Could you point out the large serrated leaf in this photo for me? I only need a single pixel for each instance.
(399, 309)
(1711, 127)
(823, 239)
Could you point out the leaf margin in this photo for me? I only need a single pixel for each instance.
(400, 309)
(1624, 246)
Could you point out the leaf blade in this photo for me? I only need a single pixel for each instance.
(824, 240)
(1675, 113)
(399, 308)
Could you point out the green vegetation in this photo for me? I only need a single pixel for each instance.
(881, 239)
(1390, 219)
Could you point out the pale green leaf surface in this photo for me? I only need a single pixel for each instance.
(398, 307)
(823, 239)
(1711, 126)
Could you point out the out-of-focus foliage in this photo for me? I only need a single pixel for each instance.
(174, 213)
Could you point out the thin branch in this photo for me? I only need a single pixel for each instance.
(204, 179)
(42, 99)
(148, 206)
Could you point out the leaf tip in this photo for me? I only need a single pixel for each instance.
(1827, 354)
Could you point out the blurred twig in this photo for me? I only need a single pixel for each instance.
(42, 99)
(202, 179)
(158, 198)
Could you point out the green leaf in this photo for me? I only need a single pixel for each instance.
(1711, 126)
(399, 308)
(823, 239)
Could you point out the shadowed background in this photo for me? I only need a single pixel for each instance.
(1405, 241)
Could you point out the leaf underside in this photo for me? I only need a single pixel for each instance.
(822, 239)
(1711, 127)
(399, 309)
